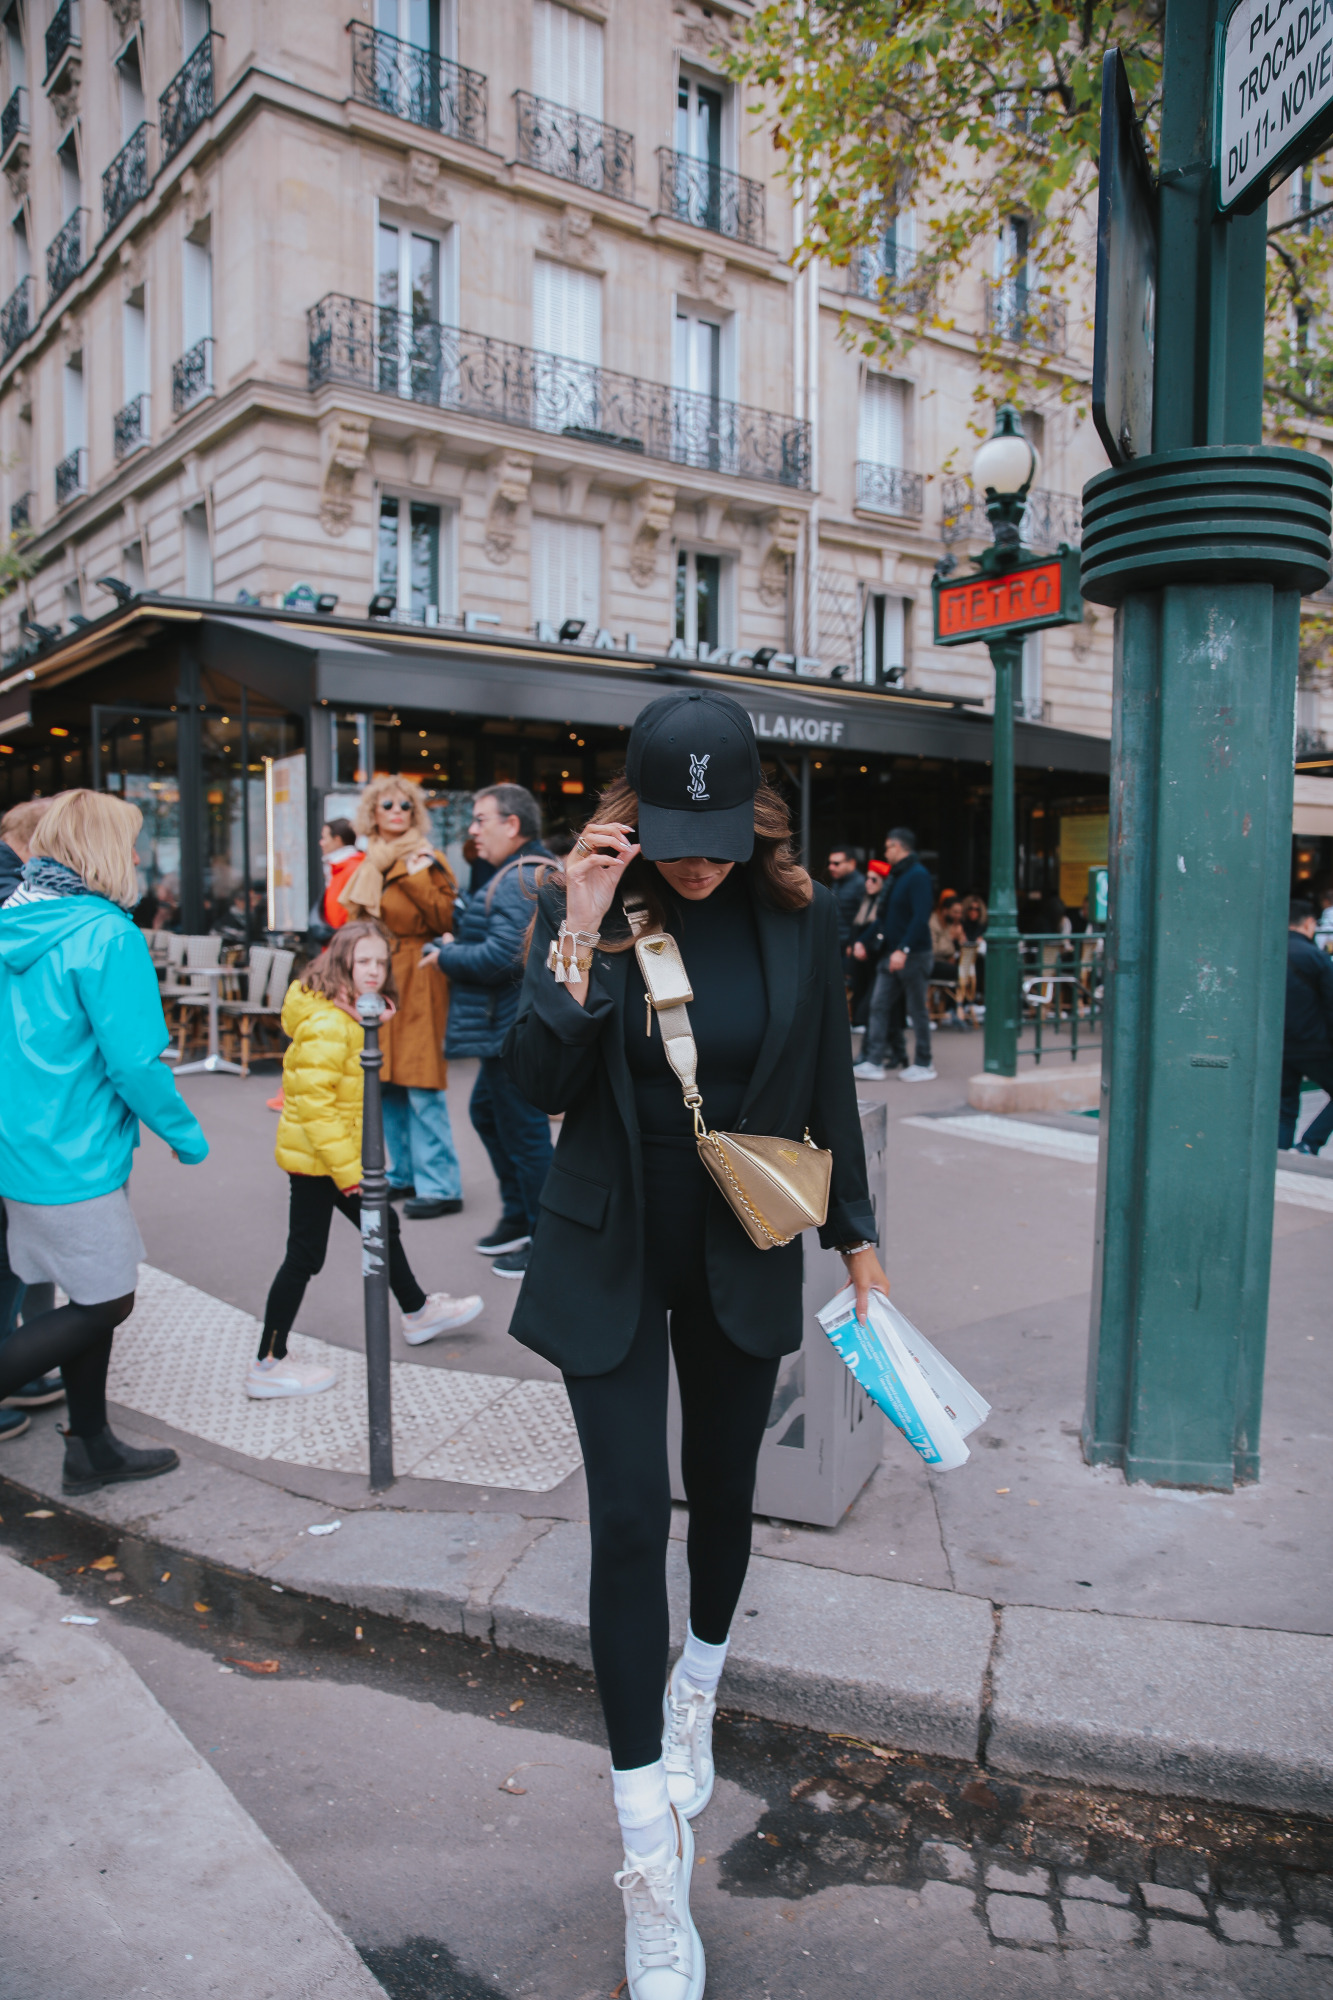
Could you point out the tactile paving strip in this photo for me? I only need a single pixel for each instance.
(182, 1356)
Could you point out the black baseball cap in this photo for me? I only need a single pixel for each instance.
(693, 760)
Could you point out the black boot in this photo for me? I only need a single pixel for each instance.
(103, 1461)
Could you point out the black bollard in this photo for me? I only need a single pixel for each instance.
(375, 1249)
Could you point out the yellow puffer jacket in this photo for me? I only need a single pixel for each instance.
(319, 1131)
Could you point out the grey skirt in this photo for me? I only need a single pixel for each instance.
(91, 1249)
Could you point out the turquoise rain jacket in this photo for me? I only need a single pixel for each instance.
(81, 1036)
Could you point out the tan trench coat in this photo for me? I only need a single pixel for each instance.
(417, 908)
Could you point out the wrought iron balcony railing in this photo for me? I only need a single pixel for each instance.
(62, 34)
(66, 254)
(710, 197)
(1048, 519)
(20, 514)
(130, 426)
(887, 489)
(562, 142)
(192, 375)
(886, 274)
(126, 179)
(17, 317)
(72, 476)
(13, 121)
(187, 99)
(411, 83)
(1025, 318)
(373, 347)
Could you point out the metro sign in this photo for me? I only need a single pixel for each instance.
(1013, 601)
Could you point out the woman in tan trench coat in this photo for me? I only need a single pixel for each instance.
(411, 889)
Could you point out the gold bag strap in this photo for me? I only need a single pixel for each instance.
(668, 991)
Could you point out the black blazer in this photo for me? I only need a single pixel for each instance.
(580, 1300)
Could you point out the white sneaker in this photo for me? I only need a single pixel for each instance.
(439, 1314)
(664, 1954)
(918, 1073)
(287, 1378)
(870, 1072)
(687, 1743)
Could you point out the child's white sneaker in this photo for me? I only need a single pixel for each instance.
(687, 1743)
(440, 1314)
(287, 1378)
(664, 1954)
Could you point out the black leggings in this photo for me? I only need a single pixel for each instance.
(313, 1200)
(76, 1340)
(621, 1418)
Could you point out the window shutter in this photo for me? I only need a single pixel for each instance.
(567, 311)
(566, 571)
(881, 426)
(567, 58)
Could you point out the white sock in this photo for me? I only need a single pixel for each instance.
(643, 1806)
(701, 1663)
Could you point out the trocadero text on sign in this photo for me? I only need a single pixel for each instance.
(1276, 92)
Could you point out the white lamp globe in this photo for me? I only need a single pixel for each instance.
(1007, 462)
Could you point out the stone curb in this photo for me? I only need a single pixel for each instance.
(1214, 1712)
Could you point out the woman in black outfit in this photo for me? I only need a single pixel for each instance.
(634, 1246)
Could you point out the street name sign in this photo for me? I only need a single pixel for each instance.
(1126, 321)
(1014, 600)
(1274, 96)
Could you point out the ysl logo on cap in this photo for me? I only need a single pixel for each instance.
(698, 773)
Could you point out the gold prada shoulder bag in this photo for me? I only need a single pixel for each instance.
(775, 1187)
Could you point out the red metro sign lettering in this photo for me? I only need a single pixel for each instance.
(1017, 600)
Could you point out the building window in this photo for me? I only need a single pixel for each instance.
(198, 552)
(134, 359)
(408, 272)
(702, 607)
(1030, 703)
(420, 23)
(883, 640)
(566, 312)
(15, 55)
(567, 58)
(414, 560)
(71, 180)
(698, 353)
(701, 108)
(22, 252)
(196, 20)
(132, 566)
(130, 80)
(75, 405)
(197, 289)
(566, 572)
(881, 429)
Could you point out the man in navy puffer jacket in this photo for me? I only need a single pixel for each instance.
(483, 960)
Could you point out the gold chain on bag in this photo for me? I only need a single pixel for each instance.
(719, 1153)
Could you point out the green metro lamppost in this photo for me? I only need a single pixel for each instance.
(1010, 593)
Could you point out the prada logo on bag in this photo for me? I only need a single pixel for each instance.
(655, 945)
(785, 1153)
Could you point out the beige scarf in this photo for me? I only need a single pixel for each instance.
(364, 887)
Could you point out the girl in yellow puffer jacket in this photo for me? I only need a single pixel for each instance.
(319, 1148)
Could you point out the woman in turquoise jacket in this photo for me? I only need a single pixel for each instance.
(81, 1039)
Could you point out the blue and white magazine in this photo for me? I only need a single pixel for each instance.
(933, 1406)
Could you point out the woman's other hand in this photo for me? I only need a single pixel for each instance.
(592, 875)
(421, 860)
(430, 953)
(867, 1274)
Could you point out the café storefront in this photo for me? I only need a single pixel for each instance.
(232, 729)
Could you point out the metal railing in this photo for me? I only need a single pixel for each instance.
(1048, 519)
(710, 197)
(562, 142)
(187, 99)
(126, 179)
(17, 317)
(130, 426)
(1061, 984)
(885, 273)
(20, 514)
(887, 489)
(1025, 318)
(414, 84)
(374, 347)
(72, 475)
(13, 120)
(66, 254)
(61, 34)
(192, 375)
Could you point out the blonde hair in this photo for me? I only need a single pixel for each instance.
(93, 834)
(19, 821)
(379, 788)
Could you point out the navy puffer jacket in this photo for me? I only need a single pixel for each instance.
(484, 964)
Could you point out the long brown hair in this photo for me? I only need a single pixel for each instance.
(774, 874)
(331, 973)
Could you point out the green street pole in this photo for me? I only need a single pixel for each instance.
(1204, 547)
(1001, 1051)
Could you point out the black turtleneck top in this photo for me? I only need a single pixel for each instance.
(719, 942)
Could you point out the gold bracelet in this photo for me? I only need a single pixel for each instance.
(571, 967)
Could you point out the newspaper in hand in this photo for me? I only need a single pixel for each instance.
(920, 1392)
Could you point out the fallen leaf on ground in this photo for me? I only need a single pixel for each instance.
(616, 1991)
(515, 1791)
(514, 1705)
(40, 1514)
(166, 1576)
(255, 1666)
(120, 1600)
(62, 1557)
(103, 1562)
(200, 1607)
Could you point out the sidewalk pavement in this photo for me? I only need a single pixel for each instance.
(1025, 1609)
(133, 1856)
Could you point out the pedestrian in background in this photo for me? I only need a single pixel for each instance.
(81, 1041)
(847, 882)
(1323, 930)
(484, 960)
(636, 1256)
(403, 882)
(319, 1149)
(341, 858)
(899, 948)
(864, 923)
(1307, 1032)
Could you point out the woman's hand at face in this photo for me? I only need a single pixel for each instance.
(420, 861)
(867, 1274)
(591, 880)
